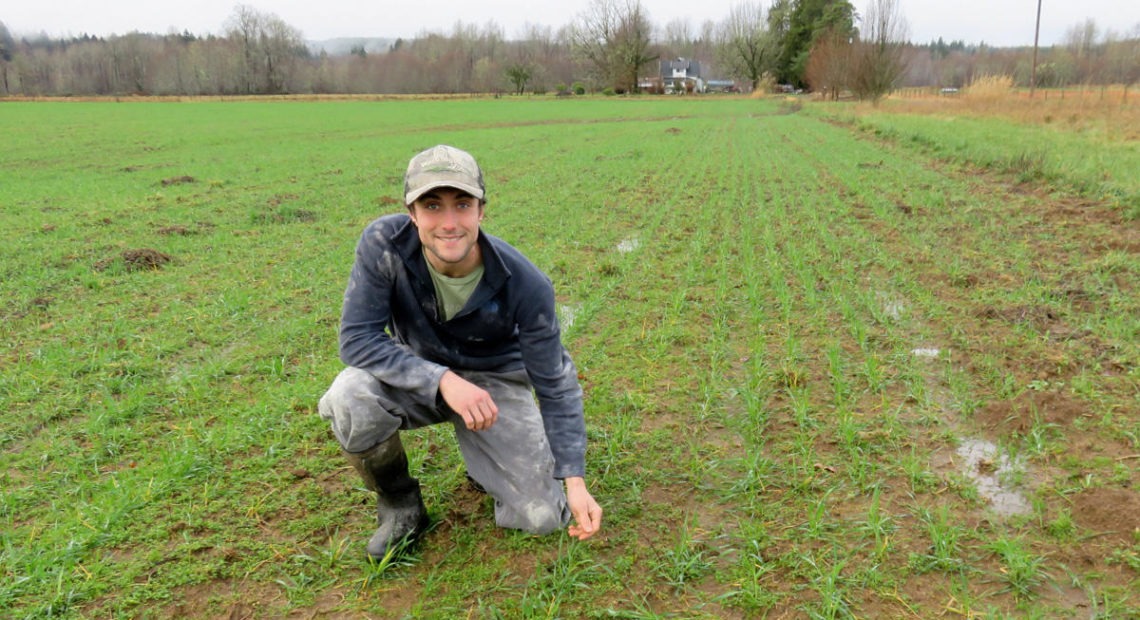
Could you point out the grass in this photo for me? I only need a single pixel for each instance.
(1084, 144)
(754, 292)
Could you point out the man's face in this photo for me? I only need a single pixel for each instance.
(448, 223)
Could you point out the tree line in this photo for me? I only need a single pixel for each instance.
(613, 45)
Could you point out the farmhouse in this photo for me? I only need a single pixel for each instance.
(682, 75)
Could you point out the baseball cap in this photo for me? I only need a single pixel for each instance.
(442, 166)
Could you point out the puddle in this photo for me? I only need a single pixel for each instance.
(892, 308)
(566, 315)
(628, 245)
(983, 463)
(925, 352)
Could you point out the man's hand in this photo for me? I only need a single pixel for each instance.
(470, 401)
(587, 513)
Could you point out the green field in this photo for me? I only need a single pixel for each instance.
(834, 368)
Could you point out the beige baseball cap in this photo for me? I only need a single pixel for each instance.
(442, 166)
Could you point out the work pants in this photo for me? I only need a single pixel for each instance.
(511, 460)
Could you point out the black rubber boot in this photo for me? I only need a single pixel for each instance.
(400, 511)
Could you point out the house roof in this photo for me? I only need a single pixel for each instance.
(684, 66)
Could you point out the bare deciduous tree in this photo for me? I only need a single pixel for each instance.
(1122, 58)
(879, 59)
(829, 65)
(746, 48)
(269, 48)
(613, 38)
(7, 48)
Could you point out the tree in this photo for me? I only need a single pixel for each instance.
(269, 47)
(879, 52)
(613, 37)
(7, 49)
(805, 21)
(519, 75)
(678, 39)
(746, 47)
(829, 66)
(1081, 42)
(1122, 58)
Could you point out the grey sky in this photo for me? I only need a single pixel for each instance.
(996, 22)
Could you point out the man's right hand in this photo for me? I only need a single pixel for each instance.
(470, 401)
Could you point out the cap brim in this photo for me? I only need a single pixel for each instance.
(414, 195)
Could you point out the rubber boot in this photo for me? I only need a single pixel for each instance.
(400, 511)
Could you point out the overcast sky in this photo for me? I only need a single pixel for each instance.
(996, 22)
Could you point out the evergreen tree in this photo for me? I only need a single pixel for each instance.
(805, 21)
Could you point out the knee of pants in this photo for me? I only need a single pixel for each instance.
(535, 517)
(352, 407)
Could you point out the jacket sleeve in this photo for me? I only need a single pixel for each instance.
(555, 381)
(365, 341)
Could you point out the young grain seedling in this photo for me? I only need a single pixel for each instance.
(878, 526)
(572, 571)
(685, 562)
(398, 556)
(1021, 568)
(1042, 438)
(828, 582)
(873, 371)
(840, 387)
(922, 480)
(817, 513)
(1062, 527)
(751, 594)
(944, 534)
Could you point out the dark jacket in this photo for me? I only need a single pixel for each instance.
(391, 326)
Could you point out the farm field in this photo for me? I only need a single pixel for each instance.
(836, 364)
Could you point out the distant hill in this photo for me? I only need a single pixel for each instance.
(343, 46)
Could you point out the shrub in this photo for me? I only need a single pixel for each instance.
(989, 88)
(764, 86)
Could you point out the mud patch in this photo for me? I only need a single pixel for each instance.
(182, 180)
(238, 600)
(1033, 407)
(181, 230)
(137, 260)
(1113, 512)
(1039, 317)
(285, 215)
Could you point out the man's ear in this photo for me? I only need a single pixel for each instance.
(412, 213)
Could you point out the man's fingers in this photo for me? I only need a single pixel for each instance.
(480, 416)
(587, 522)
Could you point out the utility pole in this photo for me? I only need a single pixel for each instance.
(1036, 35)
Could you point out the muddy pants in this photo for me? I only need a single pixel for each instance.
(511, 460)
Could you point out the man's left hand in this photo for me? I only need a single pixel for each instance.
(587, 513)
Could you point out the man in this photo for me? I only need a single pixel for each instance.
(445, 323)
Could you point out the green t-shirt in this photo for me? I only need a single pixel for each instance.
(453, 293)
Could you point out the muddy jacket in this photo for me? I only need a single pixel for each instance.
(391, 326)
